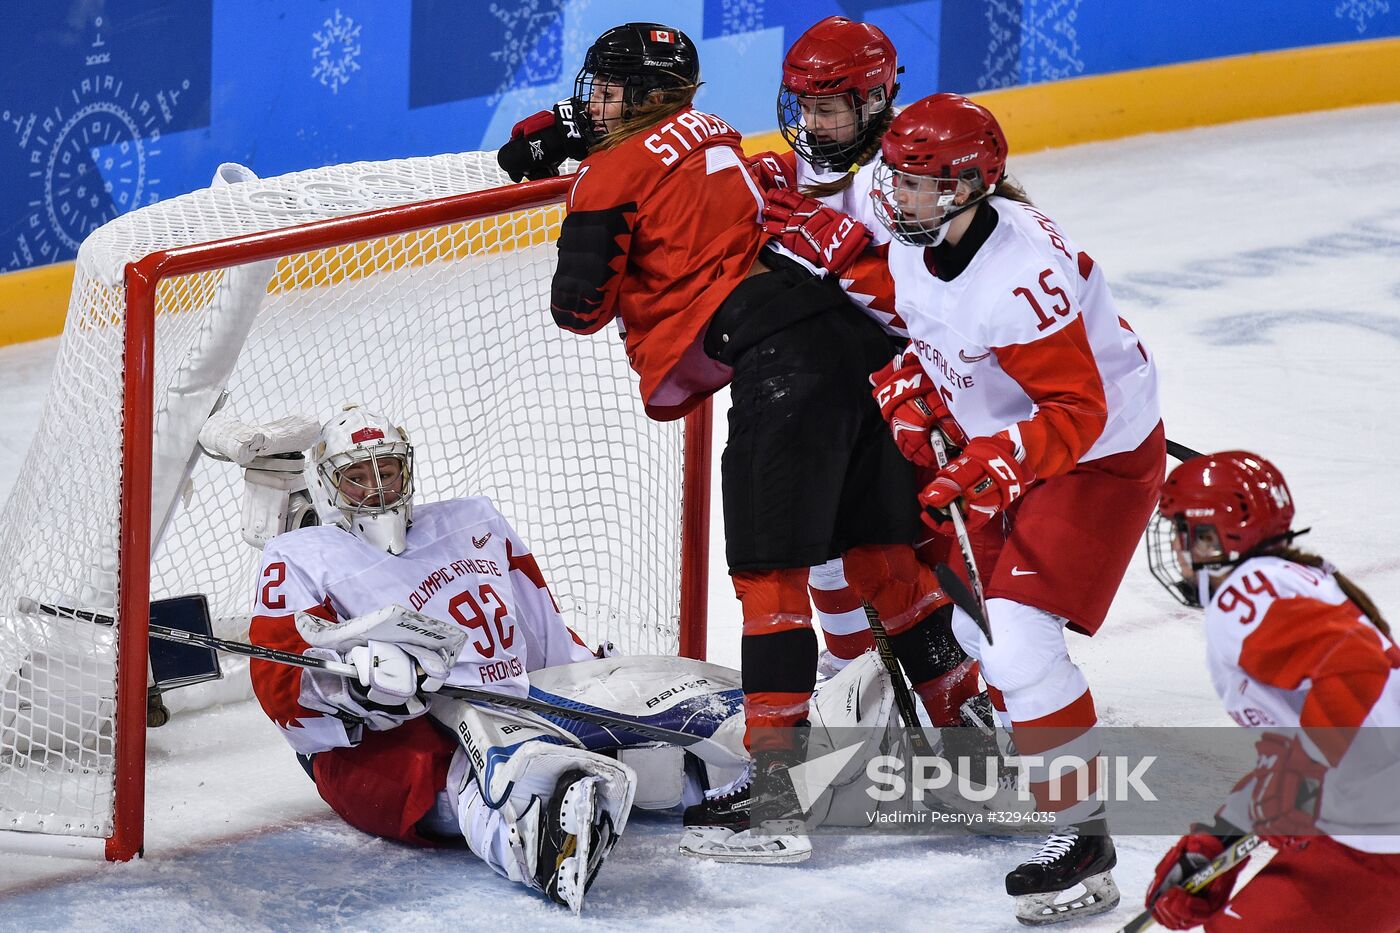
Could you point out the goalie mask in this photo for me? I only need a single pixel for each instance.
(364, 472)
(1216, 511)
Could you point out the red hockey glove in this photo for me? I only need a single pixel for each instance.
(1287, 787)
(540, 143)
(819, 234)
(987, 477)
(769, 171)
(910, 404)
(1172, 905)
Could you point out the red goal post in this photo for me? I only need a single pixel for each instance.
(338, 247)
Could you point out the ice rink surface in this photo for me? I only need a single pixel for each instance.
(1260, 262)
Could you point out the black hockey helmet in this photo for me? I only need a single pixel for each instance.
(642, 58)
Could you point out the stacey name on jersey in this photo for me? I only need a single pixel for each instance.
(462, 562)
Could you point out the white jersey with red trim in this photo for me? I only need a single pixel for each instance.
(1287, 649)
(866, 282)
(1027, 340)
(463, 563)
(854, 201)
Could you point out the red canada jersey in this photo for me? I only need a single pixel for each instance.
(660, 229)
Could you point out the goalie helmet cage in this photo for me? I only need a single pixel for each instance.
(291, 295)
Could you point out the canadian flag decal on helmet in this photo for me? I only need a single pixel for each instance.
(366, 434)
(663, 35)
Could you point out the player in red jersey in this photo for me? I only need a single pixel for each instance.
(1300, 651)
(663, 236)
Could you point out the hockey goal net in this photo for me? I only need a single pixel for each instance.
(418, 287)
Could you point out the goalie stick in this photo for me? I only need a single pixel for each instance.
(706, 749)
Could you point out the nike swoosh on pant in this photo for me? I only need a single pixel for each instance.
(1018, 572)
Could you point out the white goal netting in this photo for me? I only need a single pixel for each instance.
(446, 330)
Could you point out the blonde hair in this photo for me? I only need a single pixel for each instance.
(1011, 189)
(659, 104)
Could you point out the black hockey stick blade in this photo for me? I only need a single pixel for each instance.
(962, 597)
(1180, 451)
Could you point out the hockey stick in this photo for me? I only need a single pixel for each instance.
(1218, 866)
(977, 606)
(705, 748)
(1180, 451)
(903, 698)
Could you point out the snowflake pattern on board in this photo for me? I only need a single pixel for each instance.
(336, 50)
(532, 50)
(1031, 41)
(1361, 12)
(740, 22)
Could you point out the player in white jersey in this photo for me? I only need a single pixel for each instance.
(1299, 651)
(839, 83)
(1018, 355)
(415, 596)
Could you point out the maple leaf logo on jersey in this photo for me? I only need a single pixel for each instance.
(481, 542)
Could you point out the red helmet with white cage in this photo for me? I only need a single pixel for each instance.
(935, 148)
(838, 80)
(364, 477)
(1216, 510)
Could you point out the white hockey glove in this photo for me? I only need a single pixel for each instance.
(399, 656)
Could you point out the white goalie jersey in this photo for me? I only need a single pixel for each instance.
(463, 564)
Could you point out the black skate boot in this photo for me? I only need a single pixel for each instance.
(573, 839)
(721, 826)
(1070, 877)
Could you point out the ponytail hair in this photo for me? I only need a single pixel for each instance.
(867, 155)
(1353, 592)
(659, 104)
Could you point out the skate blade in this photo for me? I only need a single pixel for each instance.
(1096, 894)
(768, 845)
(576, 818)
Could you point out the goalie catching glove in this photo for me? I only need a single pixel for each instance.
(814, 232)
(987, 476)
(399, 657)
(541, 142)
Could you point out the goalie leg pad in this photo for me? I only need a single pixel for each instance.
(535, 808)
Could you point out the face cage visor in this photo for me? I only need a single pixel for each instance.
(916, 209)
(375, 498)
(618, 97)
(830, 131)
(1171, 556)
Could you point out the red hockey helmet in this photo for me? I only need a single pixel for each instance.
(1235, 499)
(933, 145)
(854, 65)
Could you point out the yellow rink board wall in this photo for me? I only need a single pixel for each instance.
(33, 302)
